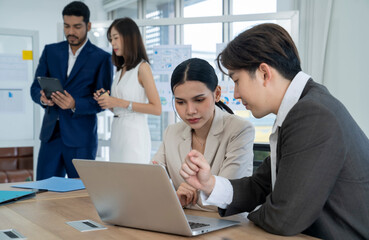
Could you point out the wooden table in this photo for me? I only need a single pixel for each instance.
(45, 217)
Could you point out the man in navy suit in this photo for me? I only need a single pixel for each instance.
(69, 128)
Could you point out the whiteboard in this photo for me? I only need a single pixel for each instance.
(18, 61)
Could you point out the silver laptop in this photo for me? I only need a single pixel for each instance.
(140, 196)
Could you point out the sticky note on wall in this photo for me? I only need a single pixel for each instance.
(27, 55)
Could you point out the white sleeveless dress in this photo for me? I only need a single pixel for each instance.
(130, 136)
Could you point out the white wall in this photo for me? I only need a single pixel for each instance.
(346, 55)
(42, 16)
(347, 64)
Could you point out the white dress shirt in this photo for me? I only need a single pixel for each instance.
(289, 100)
(73, 57)
(222, 194)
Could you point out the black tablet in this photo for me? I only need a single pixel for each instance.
(50, 85)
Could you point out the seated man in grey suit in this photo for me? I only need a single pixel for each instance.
(316, 180)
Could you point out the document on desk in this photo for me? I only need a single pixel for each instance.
(54, 184)
(12, 196)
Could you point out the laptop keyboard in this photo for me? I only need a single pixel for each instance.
(194, 225)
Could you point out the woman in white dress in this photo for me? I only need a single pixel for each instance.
(133, 94)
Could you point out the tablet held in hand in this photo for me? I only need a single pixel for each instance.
(50, 85)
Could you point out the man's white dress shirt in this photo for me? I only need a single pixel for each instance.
(73, 57)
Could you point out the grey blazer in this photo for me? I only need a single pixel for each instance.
(228, 149)
(322, 183)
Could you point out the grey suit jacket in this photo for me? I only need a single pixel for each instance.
(228, 149)
(322, 183)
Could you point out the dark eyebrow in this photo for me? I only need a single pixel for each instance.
(200, 95)
(75, 25)
(231, 74)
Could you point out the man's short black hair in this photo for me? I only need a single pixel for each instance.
(78, 9)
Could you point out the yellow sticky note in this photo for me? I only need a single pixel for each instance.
(27, 55)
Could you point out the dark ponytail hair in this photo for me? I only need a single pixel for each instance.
(196, 69)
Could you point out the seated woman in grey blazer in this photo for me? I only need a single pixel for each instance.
(225, 140)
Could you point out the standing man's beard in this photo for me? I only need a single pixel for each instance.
(75, 38)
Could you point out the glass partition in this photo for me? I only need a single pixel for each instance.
(204, 8)
(252, 6)
(126, 9)
(203, 42)
(159, 9)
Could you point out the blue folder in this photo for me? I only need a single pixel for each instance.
(54, 184)
(12, 196)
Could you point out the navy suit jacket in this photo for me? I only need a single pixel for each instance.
(92, 70)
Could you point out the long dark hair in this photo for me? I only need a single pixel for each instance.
(196, 69)
(134, 49)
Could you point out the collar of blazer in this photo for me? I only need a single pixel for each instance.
(81, 59)
(212, 140)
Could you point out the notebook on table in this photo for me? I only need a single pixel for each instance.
(140, 196)
(7, 197)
